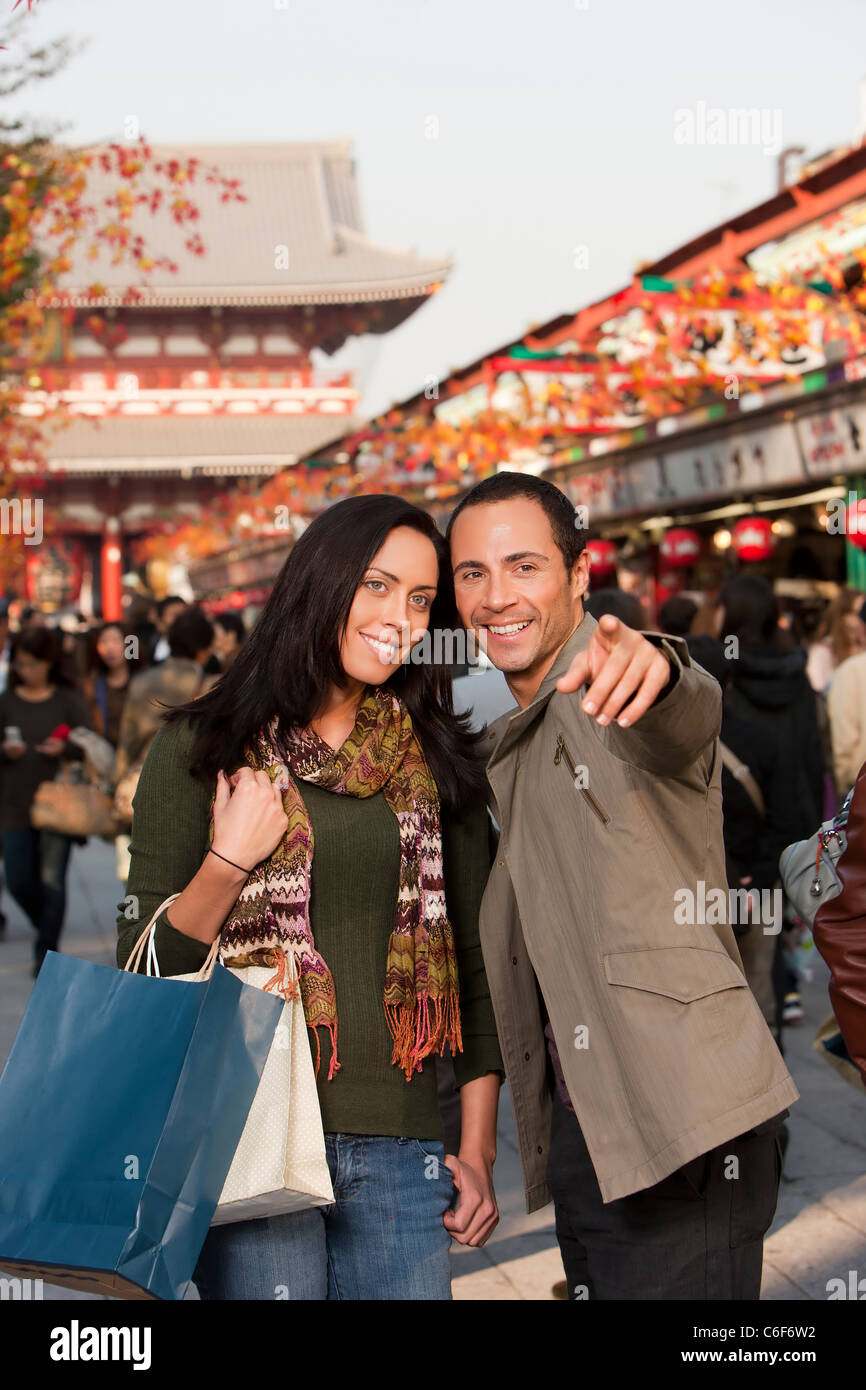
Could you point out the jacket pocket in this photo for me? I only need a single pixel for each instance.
(562, 750)
(684, 973)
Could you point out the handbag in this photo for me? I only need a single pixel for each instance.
(280, 1164)
(73, 807)
(808, 867)
(123, 1100)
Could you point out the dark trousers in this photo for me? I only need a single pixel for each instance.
(698, 1234)
(36, 862)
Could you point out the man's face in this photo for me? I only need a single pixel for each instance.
(511, 583)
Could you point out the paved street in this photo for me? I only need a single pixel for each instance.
(820, 1228)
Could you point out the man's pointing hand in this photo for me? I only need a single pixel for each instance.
(621, 666)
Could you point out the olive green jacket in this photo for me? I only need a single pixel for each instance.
(664, 1050)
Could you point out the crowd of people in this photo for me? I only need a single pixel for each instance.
(112, 678)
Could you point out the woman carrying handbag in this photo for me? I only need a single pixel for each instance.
(322, 811)
(37, 711)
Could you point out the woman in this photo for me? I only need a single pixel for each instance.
(324, 758)
(229, 636)
(841, 633)
(109, 671)
(39, 700)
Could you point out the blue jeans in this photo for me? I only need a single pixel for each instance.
(382, 1238)
(36, 862)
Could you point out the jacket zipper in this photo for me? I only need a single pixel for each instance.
(562, 747)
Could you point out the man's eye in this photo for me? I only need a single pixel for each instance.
(526, 567)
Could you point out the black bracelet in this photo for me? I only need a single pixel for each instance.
(229, 861)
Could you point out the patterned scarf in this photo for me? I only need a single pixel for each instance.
(272, 914)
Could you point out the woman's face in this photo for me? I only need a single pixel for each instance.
(32, 672)
(110, 646)
(391, 609)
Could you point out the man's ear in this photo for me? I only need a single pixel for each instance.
(580, 575)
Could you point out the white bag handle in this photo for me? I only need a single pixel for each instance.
(148, 936)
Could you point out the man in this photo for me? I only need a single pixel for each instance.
(657, 1139)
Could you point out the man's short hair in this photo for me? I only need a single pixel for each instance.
(190, 633)
(501, 487)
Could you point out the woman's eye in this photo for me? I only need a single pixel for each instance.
(371, 584)
(421, 600)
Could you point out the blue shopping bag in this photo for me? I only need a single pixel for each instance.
(121, 1105)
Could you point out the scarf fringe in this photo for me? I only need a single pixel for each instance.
(415, 1038)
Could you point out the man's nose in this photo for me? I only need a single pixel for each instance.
(499, 593)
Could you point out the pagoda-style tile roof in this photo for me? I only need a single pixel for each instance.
(300, 197)
(210, 444)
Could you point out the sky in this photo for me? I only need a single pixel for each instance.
(546, 148)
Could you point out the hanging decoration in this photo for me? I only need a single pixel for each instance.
(752, 538)
(680, 548)
(602, 557)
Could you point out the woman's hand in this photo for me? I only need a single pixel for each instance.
(14, 750)
(476, 1215)
(248, 817)
(52, 747)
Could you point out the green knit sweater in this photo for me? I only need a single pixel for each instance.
(353, 898)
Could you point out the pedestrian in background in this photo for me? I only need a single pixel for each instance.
(38, 704)
(754, 825)
(841, 633)
(166, 684)
(230, 635)
(109, 670)
(167, 610)
(770, 690)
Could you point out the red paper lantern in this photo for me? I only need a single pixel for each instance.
(855, 523)
(602, 556)
(680, 548)
(752, 538)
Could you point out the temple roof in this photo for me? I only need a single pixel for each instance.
(301, 197)
(206, 444)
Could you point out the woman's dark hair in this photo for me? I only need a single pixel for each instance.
(45, 644)
(94, 662)
(751, 610)
(231, 622)
(291, 659)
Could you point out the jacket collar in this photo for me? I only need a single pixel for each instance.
(507, 729)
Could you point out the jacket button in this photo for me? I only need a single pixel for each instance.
(540, 1149)
(526, 1056)
(502, 863)
(513, 960)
